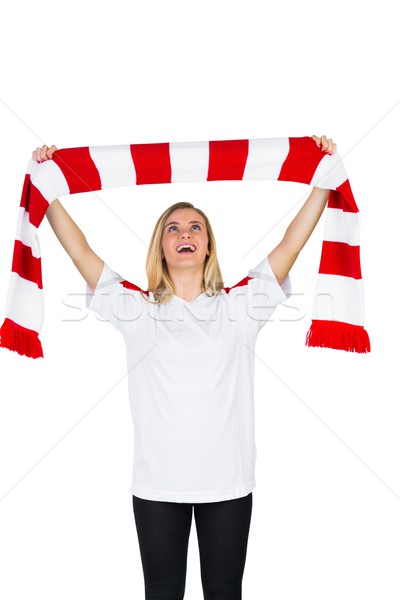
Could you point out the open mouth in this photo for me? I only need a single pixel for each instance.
(189, 248)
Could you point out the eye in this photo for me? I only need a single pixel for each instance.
(195, 225)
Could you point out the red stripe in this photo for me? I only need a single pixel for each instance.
(241, 283)
(132, 286)
(37, 206)
(27, 266)
(33, 202)
(335, 199)
(339, 258)
(25, 190)
(302, 160)
(227, 159)
(152, 163)
(343, 198)
(78, 169)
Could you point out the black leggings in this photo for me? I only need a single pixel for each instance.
(163, 532)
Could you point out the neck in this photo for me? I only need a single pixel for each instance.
(188, 282)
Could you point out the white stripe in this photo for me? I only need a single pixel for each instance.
(27, 233)
(265, 158)
(114, 164)
(49, 180)
(189, 161)
(341, 226)
(339, 298)
(330, 173)
(25, 303)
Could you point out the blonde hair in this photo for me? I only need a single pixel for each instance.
(159, 281)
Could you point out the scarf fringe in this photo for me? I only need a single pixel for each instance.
(20, 339)
(339, 336)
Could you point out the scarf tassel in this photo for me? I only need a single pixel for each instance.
(339, 336)
(20, 339)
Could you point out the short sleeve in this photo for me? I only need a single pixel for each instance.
(264, 292)
(113, 301)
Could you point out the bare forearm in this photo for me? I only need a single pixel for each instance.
(286, 252)
(306, 220)
(67, 231)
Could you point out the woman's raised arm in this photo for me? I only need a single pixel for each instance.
(69, 234)
(286, 252)
(74, 243)
(284, 255)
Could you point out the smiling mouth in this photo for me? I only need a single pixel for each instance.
(186, 248)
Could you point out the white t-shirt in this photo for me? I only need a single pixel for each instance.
(191, 383)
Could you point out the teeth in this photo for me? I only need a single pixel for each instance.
(191, 246)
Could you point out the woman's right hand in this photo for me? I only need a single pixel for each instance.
(43, 153)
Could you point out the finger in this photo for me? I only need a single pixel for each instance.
(324, 142)
(50, 151)
(331, 146)
(43, 151)
(316, 140)
(37, 154)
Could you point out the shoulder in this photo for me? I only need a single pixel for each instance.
(111, 279)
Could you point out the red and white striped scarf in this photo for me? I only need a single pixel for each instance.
(337, 319)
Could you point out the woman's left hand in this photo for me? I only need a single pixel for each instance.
(324, 143)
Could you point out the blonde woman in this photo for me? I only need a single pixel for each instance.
(191, 374)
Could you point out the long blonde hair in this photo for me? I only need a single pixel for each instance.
(159, 281)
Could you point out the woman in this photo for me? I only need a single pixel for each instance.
(191, 374)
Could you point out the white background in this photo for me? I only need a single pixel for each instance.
(326, 520)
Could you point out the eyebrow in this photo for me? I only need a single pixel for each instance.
(177, 223)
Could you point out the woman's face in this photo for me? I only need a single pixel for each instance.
(185, 226)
